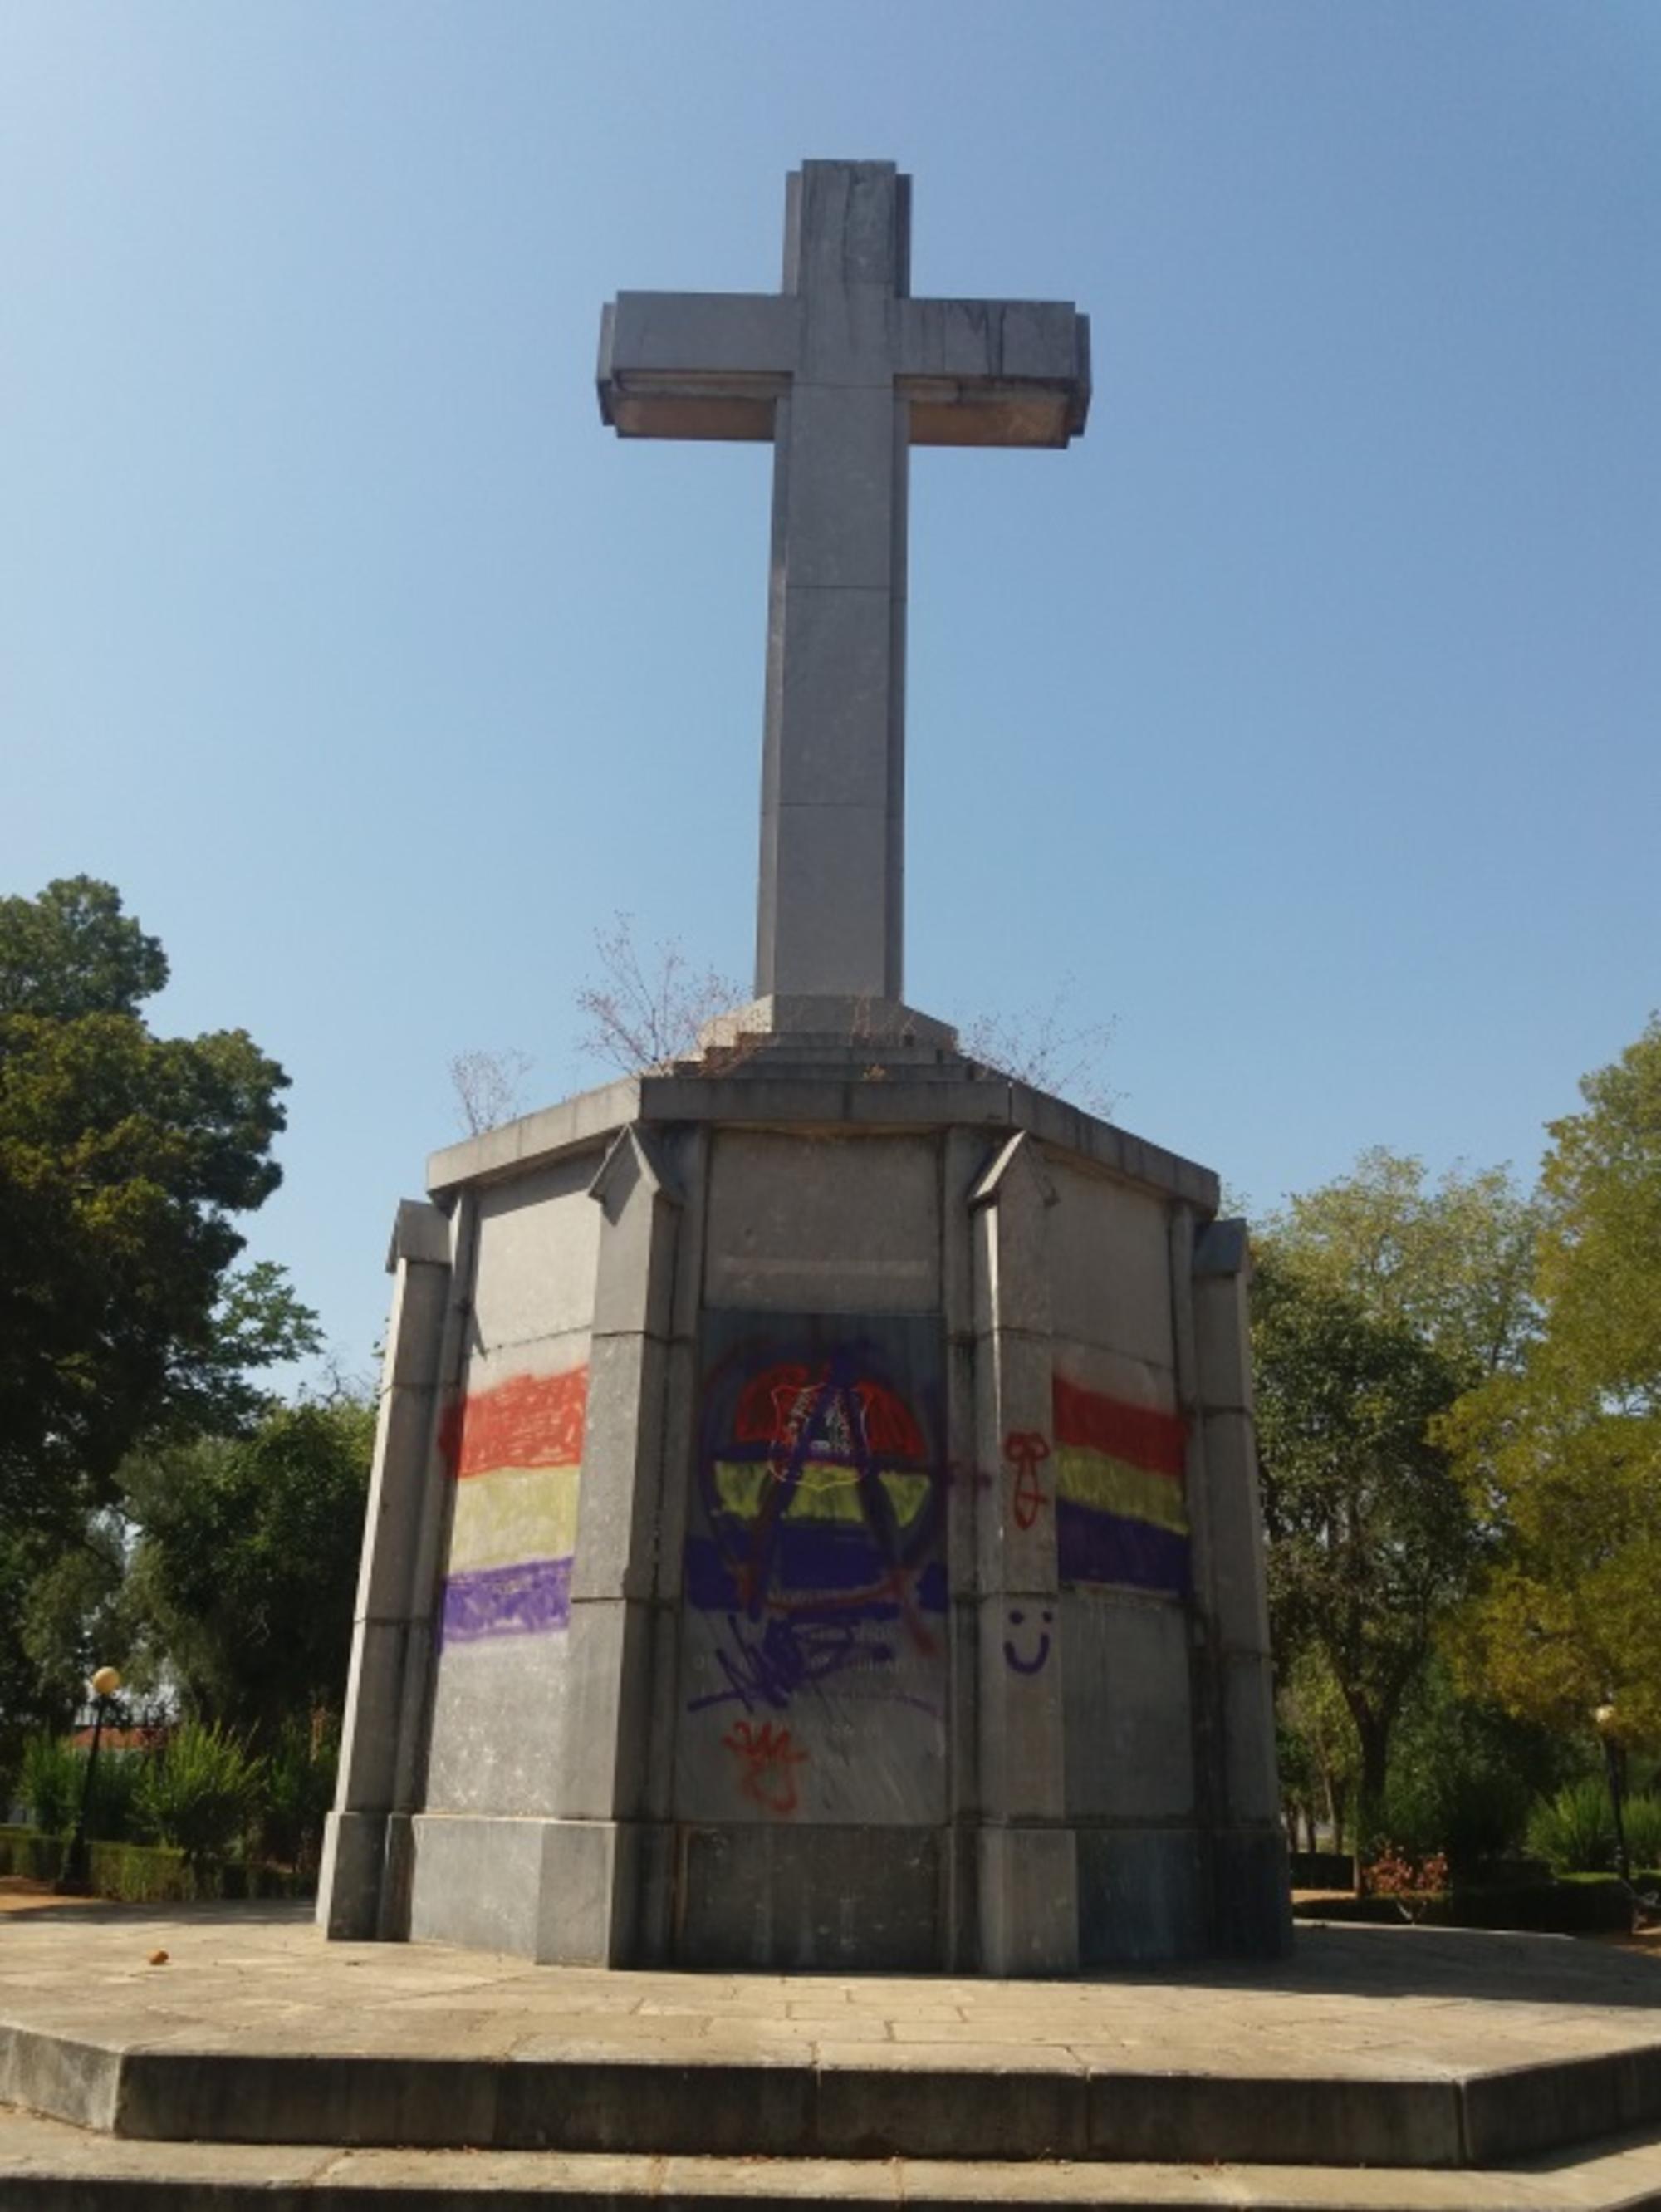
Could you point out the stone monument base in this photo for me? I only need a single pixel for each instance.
(814, 1525)
(264, 2067)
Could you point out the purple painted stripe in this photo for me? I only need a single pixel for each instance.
(530, 1598)
(1110, 1547)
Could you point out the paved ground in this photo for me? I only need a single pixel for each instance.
(1414, 2003)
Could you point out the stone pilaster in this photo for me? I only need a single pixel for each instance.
(1029, 1874)
(351, 1893)
(616, 1634)
(1251, 1910)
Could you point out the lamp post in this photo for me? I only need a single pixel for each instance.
(76, 1880)
(1607, 1722)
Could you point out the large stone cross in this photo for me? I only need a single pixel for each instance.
(844, 373)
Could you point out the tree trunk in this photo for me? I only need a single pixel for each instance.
(1373, 1731)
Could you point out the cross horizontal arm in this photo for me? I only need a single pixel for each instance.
(696, 364)
(994, 372)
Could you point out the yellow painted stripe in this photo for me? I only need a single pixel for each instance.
(822, 1492)
(1113, 1485)
(514, 1513)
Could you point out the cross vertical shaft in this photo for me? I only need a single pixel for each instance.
(845, 372)
(830, 917)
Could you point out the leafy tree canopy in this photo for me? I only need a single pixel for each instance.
(123, 1158)
(1448, 1260)
(245, 1570)
(1564, 1456)
(1371, 1538)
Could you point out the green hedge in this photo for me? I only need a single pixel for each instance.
(146, 1874)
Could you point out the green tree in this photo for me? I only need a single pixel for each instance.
(1450, 1262)
(245, 1570)
(123, 1158)
(1464, 1773)
(1318, 1742)
(1563, 1455)
(1371, 1539)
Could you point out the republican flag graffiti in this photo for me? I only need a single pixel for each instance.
(516, 1454)
(1120, 1513)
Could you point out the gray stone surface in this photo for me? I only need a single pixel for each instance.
(843, 372)
(850, 1901)
(1130, 1737)
(1404, 2045)
(826, 1195)
(47, 2167)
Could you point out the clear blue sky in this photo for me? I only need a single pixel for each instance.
(1305, 713)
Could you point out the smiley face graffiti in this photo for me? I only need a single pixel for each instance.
(1036, 1661)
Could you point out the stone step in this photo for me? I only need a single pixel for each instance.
(995, 2103)
(46, 2165)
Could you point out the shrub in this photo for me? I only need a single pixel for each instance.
(299, 1790)
(1574, 1831)
(198, 1792)
(1641, 1817)
(51, 1783)
(112, 1808)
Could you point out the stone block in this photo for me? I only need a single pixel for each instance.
(674, 1488)
(687, 333)
(414, 1327)
(1206, 2120)
(1128, 1726)
(274, 2097)
(1142, 1895)
(584, 1123)
(848, 223)
(350, 1876)
(47, 2071)
(533, 1357)
(1117, 1374)
(839, 489)
(1110, 1264)
(499, 1727)
(850, 336)
(405, 1433)
(963, 1715)
(1011, 1206)
(836, 652)
(618, 1497)
(685, 1152)
(823, 1225)
(1016, 1535)
(965, 1480)
(1252, 1894)
(559, 1891)
(1021, 1757)
(763, 1739)
(1236, 1594)
(374, 1714)
(641, 1207)
(605, 1688)
(1000, 340)
(837, 903)
(538, 1239)
(792, 1900)
(702, 2109)
(1221, 1330)
(997, 2104)
(1248, 1709)
(1029, 1895)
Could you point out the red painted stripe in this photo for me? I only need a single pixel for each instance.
(530, 1420)
(1140, 1434)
